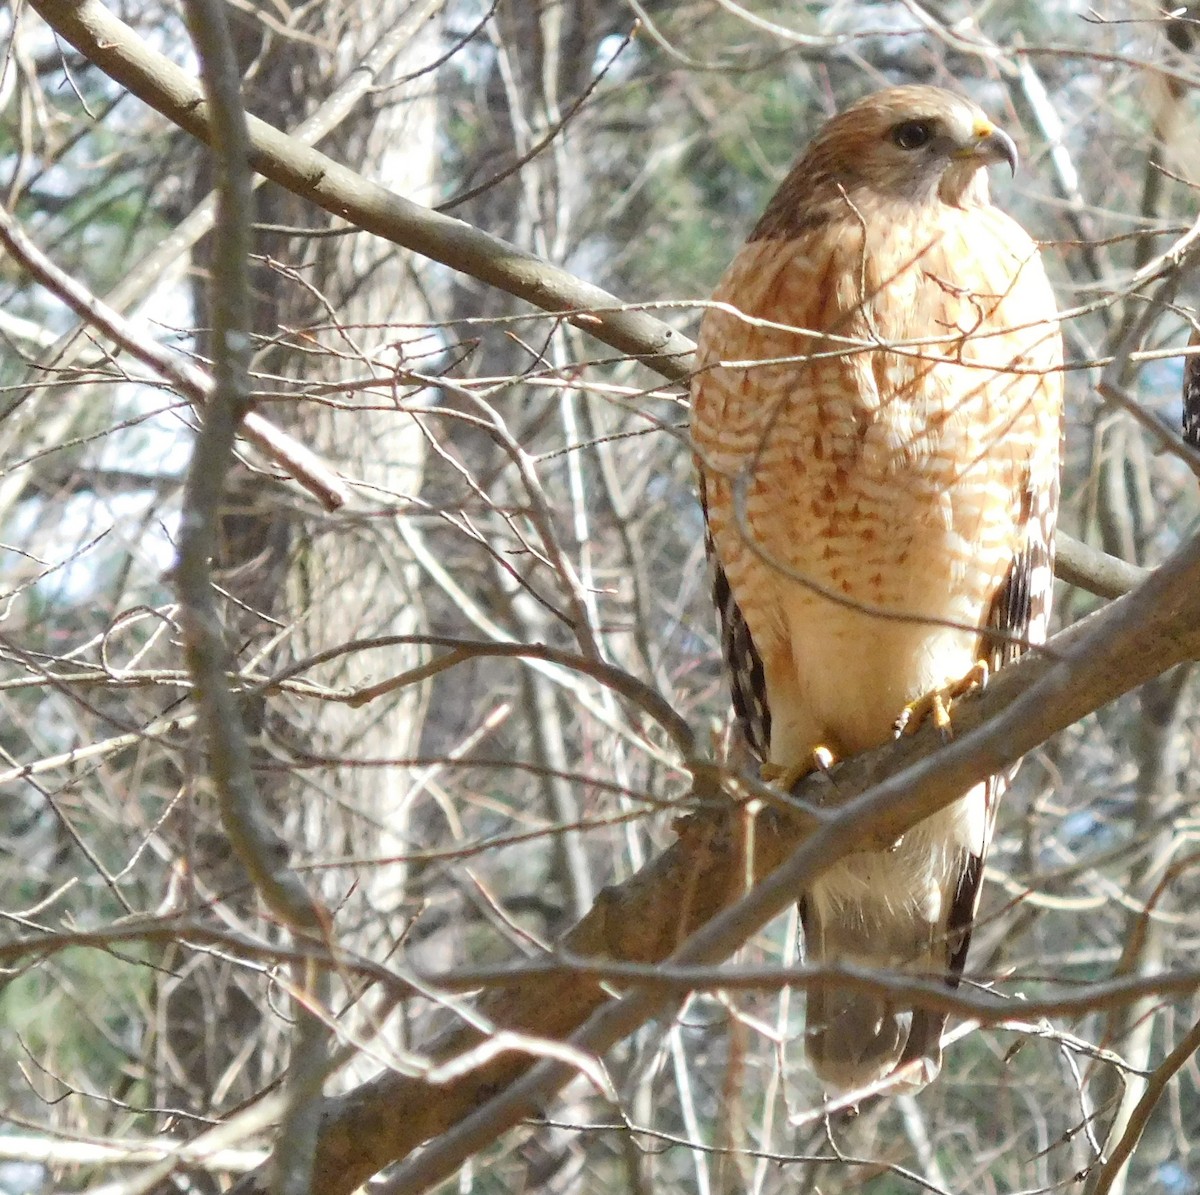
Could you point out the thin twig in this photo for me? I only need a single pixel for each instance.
(190, 381)
(459, 650)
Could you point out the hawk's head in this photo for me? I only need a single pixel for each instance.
(910, 143)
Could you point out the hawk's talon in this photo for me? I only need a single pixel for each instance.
(938, 703)
(820, 759)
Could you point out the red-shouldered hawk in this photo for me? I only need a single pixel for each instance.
(876, 416)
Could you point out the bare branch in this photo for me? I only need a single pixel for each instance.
(696, 892)
(1095, 661)
(262, 851)
(193, 383)
(117, 50)
(1155, 1090)
(460, 650)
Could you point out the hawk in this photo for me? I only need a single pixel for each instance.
(876, 417)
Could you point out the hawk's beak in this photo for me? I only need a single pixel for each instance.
(991, 144)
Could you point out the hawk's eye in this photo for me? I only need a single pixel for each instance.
(912, 134)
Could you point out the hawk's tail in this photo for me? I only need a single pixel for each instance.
(856, 1035)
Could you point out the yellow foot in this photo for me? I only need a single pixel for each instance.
(937, 705)
(820, 759)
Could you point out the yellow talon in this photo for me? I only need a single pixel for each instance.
(937, 704)
(820, 759)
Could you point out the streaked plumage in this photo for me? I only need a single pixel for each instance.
(876, 418)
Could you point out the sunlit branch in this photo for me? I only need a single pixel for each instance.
(193, 383)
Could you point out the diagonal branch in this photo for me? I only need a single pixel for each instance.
(193, 383)
(882, 794)
(117, 50)
(730, 871)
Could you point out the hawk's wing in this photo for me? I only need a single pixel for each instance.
(743, 665)
(1191, 395)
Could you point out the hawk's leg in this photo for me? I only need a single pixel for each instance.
(937, 704)
(820, 759)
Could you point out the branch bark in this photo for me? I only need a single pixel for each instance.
(261, 850)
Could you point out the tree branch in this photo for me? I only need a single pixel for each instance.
(119, 52)
(881, 794)
(732, 869)
(1144, 1109)
(308, 470)
(262, 851)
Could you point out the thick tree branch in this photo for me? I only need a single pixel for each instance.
(1107, 576)
(120, 53)
(883, 795)
(732, 869)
